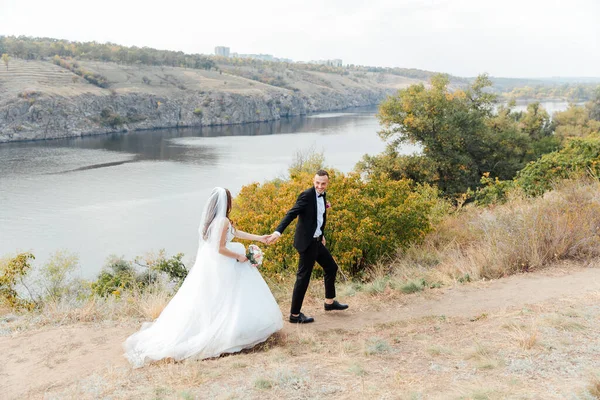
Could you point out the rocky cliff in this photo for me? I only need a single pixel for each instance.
(43, 101)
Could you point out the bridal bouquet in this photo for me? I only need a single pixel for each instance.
(255, 255)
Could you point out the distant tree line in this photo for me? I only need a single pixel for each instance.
(344, 70)
(415, 74)
(34, 48)
(565, 91)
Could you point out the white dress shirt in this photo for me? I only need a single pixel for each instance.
(320, 213)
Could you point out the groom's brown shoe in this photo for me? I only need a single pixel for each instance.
(301, 319)
(335, 306)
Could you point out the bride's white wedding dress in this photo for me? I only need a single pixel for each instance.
(223, 306)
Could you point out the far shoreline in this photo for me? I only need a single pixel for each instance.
(164, 128)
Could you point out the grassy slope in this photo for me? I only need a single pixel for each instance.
(50, 79)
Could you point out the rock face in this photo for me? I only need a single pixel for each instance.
(37, 116)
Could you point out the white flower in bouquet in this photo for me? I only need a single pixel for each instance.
(255, 255)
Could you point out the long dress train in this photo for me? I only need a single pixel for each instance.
(223, 306)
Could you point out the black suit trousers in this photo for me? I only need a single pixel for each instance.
(315, 252)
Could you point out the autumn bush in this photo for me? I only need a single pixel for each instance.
(12, 272)
(368, 219)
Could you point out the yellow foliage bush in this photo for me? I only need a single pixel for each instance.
(367, 219)
(12, 272)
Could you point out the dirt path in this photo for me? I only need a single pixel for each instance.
(471, 300)
(34, 362)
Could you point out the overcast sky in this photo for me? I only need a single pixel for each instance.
(509, 38)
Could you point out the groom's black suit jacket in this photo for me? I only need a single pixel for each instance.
(306, 211)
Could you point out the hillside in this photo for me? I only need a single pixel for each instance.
(42, 100)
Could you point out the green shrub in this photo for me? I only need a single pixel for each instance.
(492, 191)
(173, 267)
(413, 287)
(580, 155)
(116, 276)
(119, 275)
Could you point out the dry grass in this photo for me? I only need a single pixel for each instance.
(136, 305)
(564, 322)
(594, 387)
(526, 337)
(522, 235)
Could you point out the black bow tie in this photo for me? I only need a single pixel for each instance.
(321, 195)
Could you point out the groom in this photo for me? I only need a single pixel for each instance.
(309, 241)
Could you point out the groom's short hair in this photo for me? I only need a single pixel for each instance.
(322, 172)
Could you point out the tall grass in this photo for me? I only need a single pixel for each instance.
(143, 305)
(522, 235)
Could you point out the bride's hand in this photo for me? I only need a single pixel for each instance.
(242, 258)
(264, 239)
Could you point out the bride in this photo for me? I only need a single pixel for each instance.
(223, 305)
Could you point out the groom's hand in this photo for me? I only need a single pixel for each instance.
(273, 238)
(324, 241)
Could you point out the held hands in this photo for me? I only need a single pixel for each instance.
(264, 239)
(241, 258)
(271, 239)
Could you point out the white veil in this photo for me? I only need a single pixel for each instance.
(213, 220)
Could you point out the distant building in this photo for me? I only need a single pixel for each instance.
(222, 51)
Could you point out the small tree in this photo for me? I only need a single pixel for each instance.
(55, 275)
(5, 60)
(12, 272)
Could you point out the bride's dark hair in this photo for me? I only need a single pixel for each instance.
(229, 202)
(229, 206)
